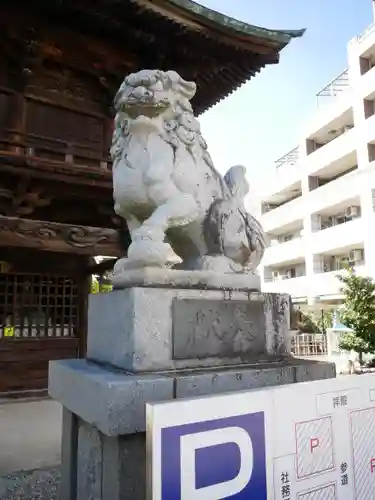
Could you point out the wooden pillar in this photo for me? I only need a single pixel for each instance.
(85, 289)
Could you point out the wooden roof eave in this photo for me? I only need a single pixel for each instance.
(229, 44)
(223, 28)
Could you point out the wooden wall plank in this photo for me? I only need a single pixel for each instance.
(24, 364)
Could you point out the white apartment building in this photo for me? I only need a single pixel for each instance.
(319, 212)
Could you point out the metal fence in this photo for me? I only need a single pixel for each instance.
(309, 344)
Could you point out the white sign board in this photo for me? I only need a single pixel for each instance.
(307, 441)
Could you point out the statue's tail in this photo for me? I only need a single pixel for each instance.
(256, 238)
(236, 180)
(237, 183)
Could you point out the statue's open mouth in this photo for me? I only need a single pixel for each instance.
(150, 110)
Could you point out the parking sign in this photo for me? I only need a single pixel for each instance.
(201, 451)
(305, 441)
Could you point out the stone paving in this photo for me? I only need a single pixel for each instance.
(30, 435)
(30, 443)
(41, 484)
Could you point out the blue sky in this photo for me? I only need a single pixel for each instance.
(264, 118)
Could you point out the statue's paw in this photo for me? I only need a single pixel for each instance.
(148, 253)
(219, 264)
(121, 266)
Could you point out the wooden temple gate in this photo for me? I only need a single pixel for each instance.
(61, 64)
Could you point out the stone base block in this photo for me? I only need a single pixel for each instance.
(114, 402)
(148, 329)
(104, 421)
(173, 278)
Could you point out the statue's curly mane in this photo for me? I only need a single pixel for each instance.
(184, 130)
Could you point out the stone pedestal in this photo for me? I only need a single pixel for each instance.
(148, 329)
(148, 344)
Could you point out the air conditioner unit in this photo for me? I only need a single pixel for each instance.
(352, 211)
(355, 255)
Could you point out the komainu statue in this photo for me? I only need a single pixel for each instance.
(166, 186)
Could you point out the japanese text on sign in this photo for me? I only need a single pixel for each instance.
(344, 474)
(285, 486)
(340, 401)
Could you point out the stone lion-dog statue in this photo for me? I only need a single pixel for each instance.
(166, 186)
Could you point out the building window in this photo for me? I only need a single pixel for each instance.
(371, 152)
(365, 65)
(369, 107)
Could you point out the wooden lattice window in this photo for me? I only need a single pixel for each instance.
(38, 306)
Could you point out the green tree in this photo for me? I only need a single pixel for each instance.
(324, 319)
(313, 319)
(306, 324)
(94, 285)
(358, 313)
(100, 284)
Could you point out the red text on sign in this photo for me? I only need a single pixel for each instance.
(314, 443)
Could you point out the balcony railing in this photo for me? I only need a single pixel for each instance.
(334, 88)
(285, 251)
(284, 214)
(290, 158)
(332, 151)
(366, 33)
(327, 283)
(348, 234)
(282, 277)
(296, 287)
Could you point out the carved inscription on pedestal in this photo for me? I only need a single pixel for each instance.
(224, 329)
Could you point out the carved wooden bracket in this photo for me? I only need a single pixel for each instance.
(25, 199)
(55, 237)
